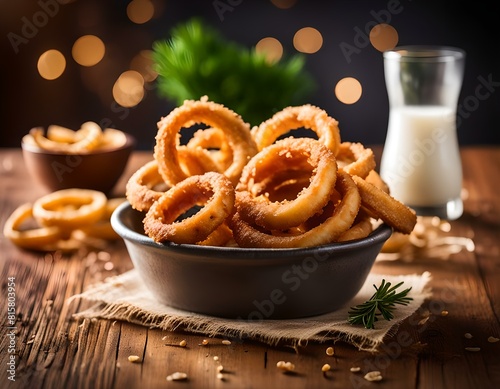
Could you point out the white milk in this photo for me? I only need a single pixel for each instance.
(421, 161)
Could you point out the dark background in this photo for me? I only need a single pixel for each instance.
(28, 100)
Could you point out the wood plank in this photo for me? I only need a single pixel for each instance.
(481, 169)
(459, 290)
(132, 341)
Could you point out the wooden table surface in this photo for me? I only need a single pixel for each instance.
(429, 350)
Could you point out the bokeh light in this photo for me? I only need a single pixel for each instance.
(271, 48)
(51, 64)
(307, 40)
(140, 11)
(383, 37)
(144, 64)
(284, 4)
(128, 90)
(88, 50)
(348, 90)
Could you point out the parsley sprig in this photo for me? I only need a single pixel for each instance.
(382, 303)
(197, 61)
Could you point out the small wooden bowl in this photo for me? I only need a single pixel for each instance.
(99, 170)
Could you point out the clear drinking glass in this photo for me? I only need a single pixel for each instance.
(421, 158)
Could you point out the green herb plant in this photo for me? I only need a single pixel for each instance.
(197, 61)
(382, 303)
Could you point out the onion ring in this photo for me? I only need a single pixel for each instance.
(385, 207)
(212, 190)
(215, 115)
(279, 156)
(112, 138)
(33, 238)
(359, 230)
(283, 185)
(69, 245)
(220, 237)
(374, 178)
(247, 235)
(213, 139)
(102, 229)
(87, 139)
(60, 134)
(142, 189)
(355, 159)
(146, 185)
(290, 118)
(195, 160)
(325, 213)
(70, 209)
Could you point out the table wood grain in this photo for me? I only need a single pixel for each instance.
(428, 350)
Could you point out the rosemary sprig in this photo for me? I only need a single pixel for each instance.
(382, 303)
(197, 60)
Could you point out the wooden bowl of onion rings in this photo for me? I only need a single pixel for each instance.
(249, 284)
(88, 158)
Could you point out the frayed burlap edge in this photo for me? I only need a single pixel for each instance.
(364, 340)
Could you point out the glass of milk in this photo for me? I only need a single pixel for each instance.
(421, 159)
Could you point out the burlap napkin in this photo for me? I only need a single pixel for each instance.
(125, 297)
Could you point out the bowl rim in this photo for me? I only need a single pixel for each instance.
(378, 235)
(130, 142)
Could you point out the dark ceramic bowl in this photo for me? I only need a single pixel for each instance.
(99, 170)
(249, 284)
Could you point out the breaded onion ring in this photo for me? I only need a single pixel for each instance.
(212, 190)
(86, 139)
(141, 187)
(195, 160)
(248, 235)
(282, 155)
(214, 140)
(102, 229)
(146, 185)
(374, 178)
(291, 118)
(34, 238)
(237, 133)
(325, 213)
(61, 134)
(70, 208)
(360, 229)
(112, 138)
(355, 159)
(385, 207)
(283, 185)
(220, 237)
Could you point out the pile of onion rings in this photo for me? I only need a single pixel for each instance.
(89, 138)
(230, 185)
(64, 220)
(236, 134)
